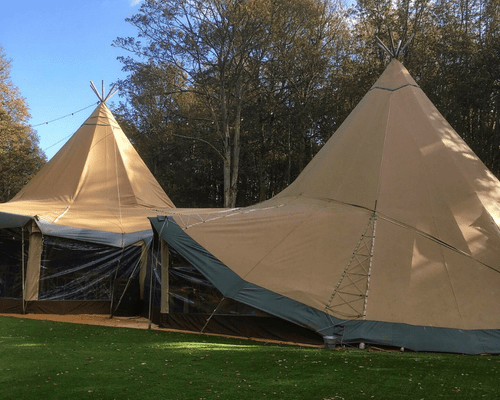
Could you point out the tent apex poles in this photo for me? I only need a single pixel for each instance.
(394, 51)
(102, 96)
(110, 93)
(94, 89)
(392, 43)
(384, 47)
(407, 43)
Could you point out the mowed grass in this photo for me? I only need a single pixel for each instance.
(52, 360)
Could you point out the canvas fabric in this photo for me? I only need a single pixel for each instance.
(394, 221)
(96, 182)
(82, 217)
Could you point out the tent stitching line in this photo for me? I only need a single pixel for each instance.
(238, 211)
(61, 215)
(435, 239)
(393, 90)
(373, 219)
(277, 244)
(228, 213)
(445, 263)
(103, 138)
(415, 230)
(118, 185)
(384, 217)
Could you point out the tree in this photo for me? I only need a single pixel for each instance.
(233, 54)
(211, 43)
(307, 39)
(20, 156)
(154, 117)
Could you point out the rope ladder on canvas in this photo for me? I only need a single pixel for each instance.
(351, 292)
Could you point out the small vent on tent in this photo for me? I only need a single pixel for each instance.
(348, 300)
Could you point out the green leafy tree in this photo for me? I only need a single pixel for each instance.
(20, 156)
(155, 118)
(237, 60)
(286, 116)
(211, 42)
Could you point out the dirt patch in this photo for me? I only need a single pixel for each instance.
(91, 319)
(130, 322)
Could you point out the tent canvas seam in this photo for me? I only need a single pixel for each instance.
(445, 263)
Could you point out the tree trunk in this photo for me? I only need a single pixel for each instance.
(236, 145)
(227, 149)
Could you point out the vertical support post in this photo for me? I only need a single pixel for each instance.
(143, 270)
(165, 287)
(22, 271)
(34, 261)
(151, 292)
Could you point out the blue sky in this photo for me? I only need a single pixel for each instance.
(56, 48)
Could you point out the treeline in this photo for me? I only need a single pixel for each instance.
(20, 155)
(228, 100)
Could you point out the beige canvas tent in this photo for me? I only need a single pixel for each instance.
(389, 236)
(80, 226)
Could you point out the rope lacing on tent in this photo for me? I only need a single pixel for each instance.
(353, 286)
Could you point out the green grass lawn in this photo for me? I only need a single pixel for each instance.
(52, 360)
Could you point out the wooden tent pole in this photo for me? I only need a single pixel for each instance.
(150, 294)
(22, 272)
(94, 89)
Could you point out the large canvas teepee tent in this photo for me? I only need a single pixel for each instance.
(80, 226)
(389, 236)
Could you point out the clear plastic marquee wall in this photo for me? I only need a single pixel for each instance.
(72, 276)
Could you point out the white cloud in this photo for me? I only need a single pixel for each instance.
(134, 2)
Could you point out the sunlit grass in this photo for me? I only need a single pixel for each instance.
(24, 345)
(205, 346)
(52, 360)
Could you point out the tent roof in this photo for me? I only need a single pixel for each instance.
(394, 221)
(97, 181)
